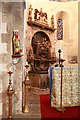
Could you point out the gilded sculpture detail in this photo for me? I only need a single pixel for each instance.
(16, 43)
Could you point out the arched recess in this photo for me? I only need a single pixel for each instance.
(63, 44)
(65, 20)
(39, 56)
(37, 41)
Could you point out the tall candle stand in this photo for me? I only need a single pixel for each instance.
(26, 84)
(58, 65)
(61, 108)
(59, 51)
(10, 92)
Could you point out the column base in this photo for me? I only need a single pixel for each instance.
(25, 109)
(61, 109)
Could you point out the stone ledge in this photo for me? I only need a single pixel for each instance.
(40, 25)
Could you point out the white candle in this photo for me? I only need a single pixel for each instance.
(10, 69)
(26, 63)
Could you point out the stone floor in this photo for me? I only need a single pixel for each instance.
(33, 104)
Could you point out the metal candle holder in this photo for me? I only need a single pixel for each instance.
(59, 55)
(58, 65)
(61, 108)
(10, 92)
(26, 83)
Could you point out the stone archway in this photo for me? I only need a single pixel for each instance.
(39, 56)
(41, 45)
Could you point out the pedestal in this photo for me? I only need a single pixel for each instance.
(61, 109)
(39, 80)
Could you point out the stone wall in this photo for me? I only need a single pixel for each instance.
(69, 44)
(12, 18)
(78, 34)
(0, 65)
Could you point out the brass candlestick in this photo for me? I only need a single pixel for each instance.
(58, 65)
(26, 83)
(61, 108)
(10, 92)
(59, 55)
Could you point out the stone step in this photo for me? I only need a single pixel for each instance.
(33, 105)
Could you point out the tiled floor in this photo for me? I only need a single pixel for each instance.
(33, 104)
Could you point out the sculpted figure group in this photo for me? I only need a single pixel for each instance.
(39, 16)
(40, 54)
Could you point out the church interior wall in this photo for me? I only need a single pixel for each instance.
(78, 34)
(0, 64)
(70, 27)
(12, 19)
(69, 44)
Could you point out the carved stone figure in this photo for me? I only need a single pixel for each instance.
(45, 17)
(36, 14)
(41, 14)
(16, 43)
(52, 21)
(45, 49)
(30, 55)
(30, 13)
(36, 47)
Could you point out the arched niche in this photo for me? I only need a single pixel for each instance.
(41, 45)
(66, 41)
(64, 16)
(39, 56)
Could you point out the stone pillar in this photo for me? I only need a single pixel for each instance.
(6, 29)
(12, 18)
(0, 63)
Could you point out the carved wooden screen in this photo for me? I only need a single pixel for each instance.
(59, 29)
